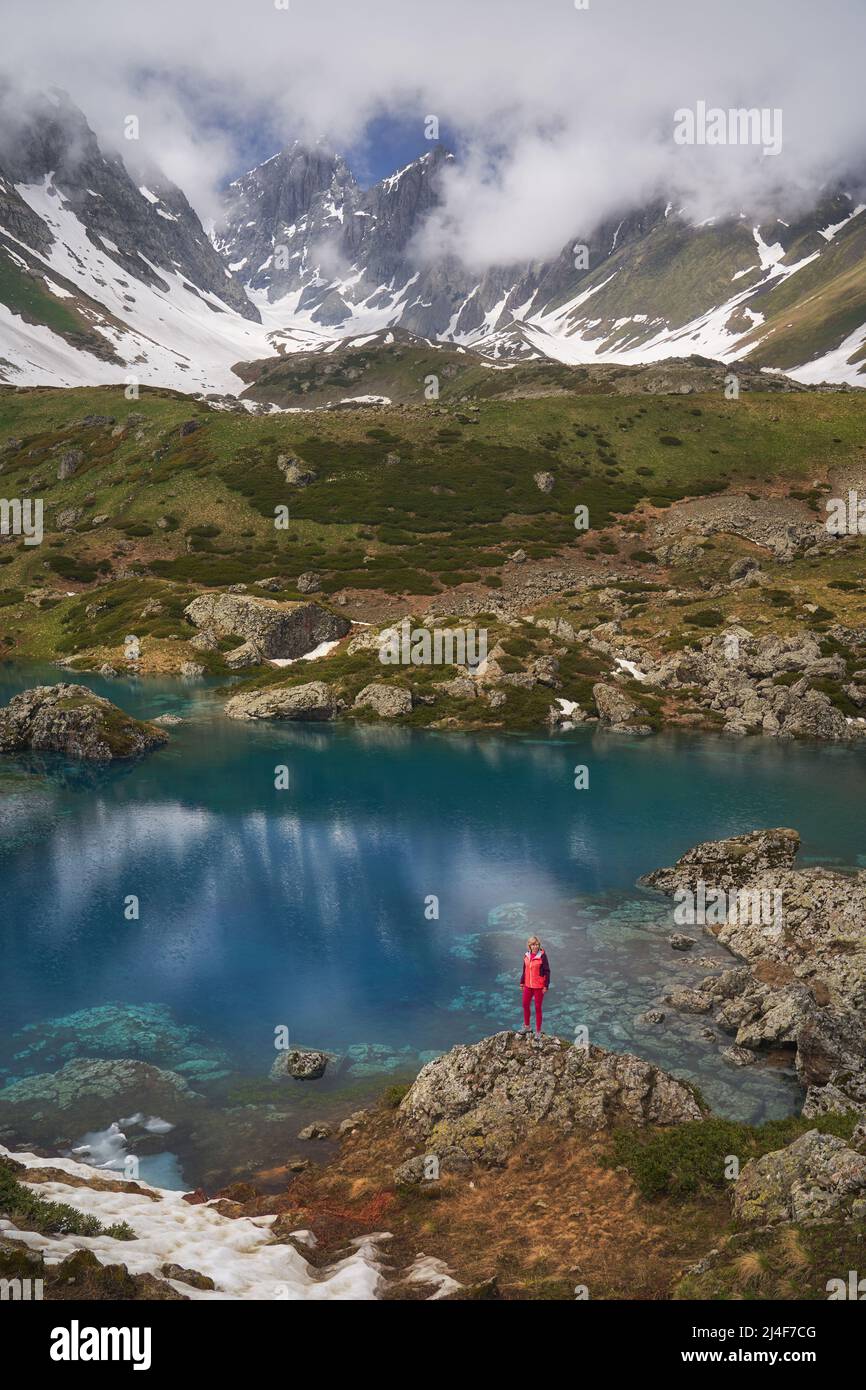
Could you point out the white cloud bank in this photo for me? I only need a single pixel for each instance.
(566, 115)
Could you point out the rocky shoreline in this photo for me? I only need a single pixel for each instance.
(801, 986)
(542, 670)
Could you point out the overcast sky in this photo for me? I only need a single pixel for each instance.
(563, 116)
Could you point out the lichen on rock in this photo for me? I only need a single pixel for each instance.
(72, 720)
(484, 1098)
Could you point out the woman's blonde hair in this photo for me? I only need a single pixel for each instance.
(531, 939)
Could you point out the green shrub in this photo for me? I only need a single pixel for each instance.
(686, 1159)
(707, 617)
(33, 1213)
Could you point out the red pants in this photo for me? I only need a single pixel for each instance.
(538, 995)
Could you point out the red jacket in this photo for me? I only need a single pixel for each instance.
(536, 971)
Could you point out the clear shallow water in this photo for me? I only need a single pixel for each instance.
(306, 907)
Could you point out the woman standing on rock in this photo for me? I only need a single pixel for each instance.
(535, 982)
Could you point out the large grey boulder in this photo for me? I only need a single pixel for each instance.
(614, 706)
(280, 631)
(72, 720)
(815, 716)
(483, 1098)
(314, 700)
(388, 701)
(814, 1177)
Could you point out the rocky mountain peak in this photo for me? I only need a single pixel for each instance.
(46, 140)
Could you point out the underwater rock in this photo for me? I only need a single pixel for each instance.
(148, 1032)
(678, 941)
(374, 1059)
(86, 1092)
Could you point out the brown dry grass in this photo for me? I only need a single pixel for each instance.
(554, 1218)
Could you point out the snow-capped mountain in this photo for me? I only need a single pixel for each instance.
(105, 276)
(343, 262)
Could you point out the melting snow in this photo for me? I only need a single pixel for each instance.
(235, 1253)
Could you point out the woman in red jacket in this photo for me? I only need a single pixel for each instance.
(535, 982)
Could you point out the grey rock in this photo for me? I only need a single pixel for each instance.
(72, 720)
(312, 701)
(295, 472)
(357, 1120)
(69, 463)
(309, 582)
(388, 701)
(545, 669)
(412, 1172)
(282, 631)
(247, 654)
(613, 704)
(300, 1064)
(317, 1130)
(460, 688)
(689, 1001)
(813, 1178)
(730, 863)
(485, 1097)
(187, 1276)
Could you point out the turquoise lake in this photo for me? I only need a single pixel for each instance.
(305, 907)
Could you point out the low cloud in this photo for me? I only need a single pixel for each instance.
(565, 116)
